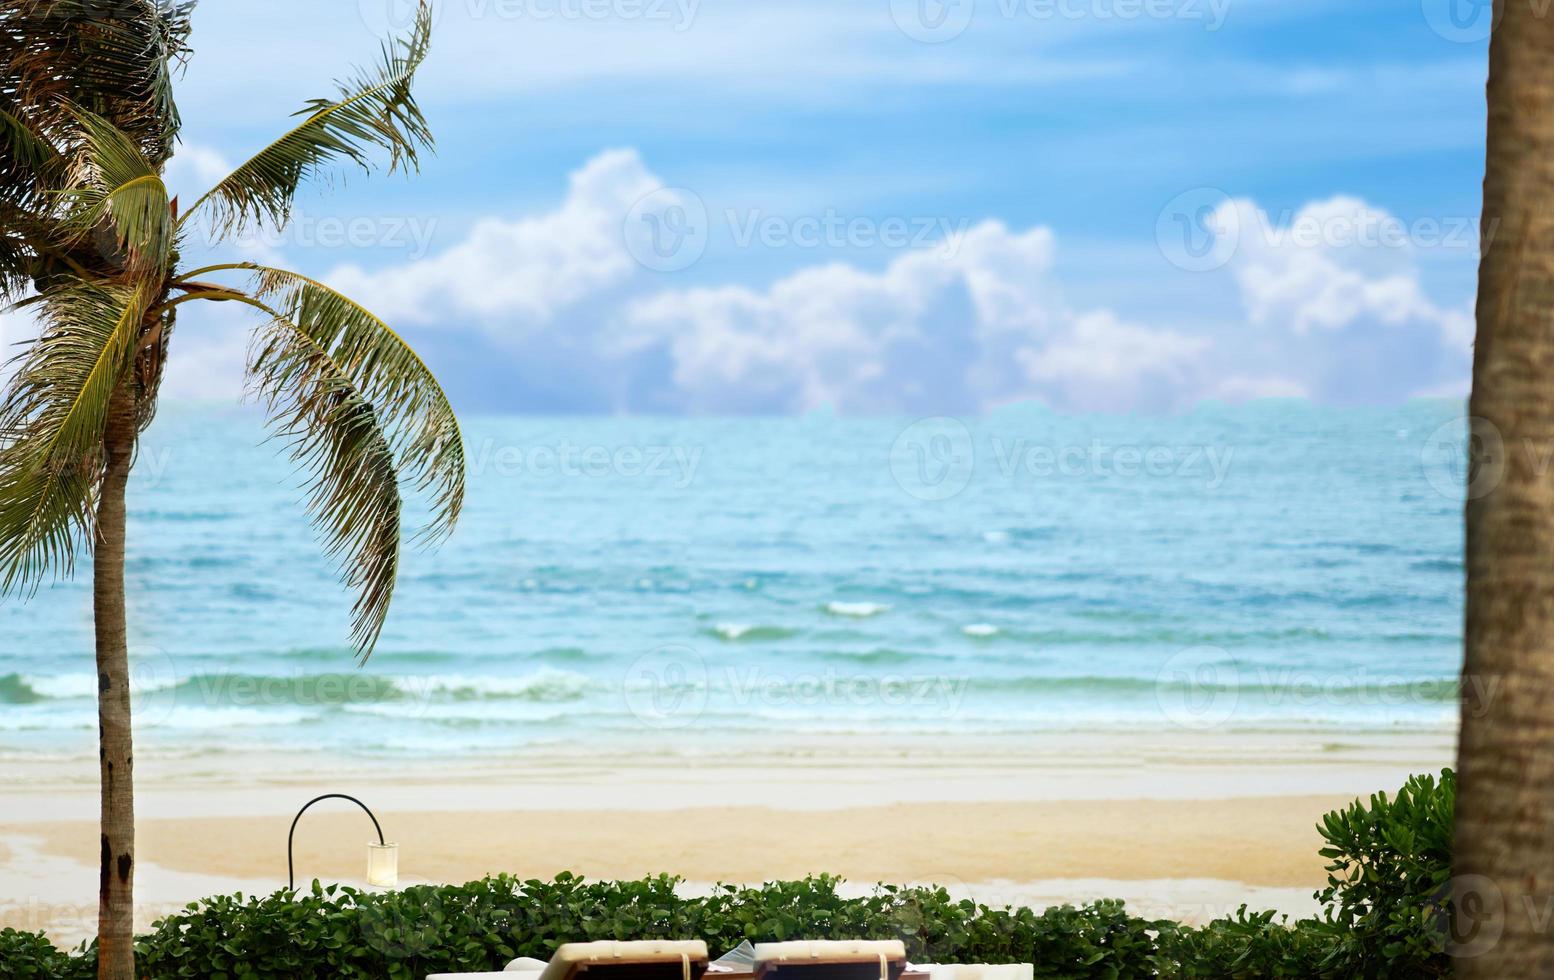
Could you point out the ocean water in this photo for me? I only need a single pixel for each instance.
(693, 585)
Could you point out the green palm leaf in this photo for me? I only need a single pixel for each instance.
(374, 110)
(118, 188)
(27, 159)
(29, 168)
(20, 232)
(51, 426)
(416, 413)
(334, 432)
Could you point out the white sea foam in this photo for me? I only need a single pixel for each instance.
(856, 610)
(732, 631)
(472, 711)
(61, 687)
(980, 630)
(29, 718)
(540, 685)
(201, 718)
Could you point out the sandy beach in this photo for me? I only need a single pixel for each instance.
(1176, 835)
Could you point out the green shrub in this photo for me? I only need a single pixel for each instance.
(1386, 904)
(1389, 880)
(336, 931)
(30, 956)
(1247, 946)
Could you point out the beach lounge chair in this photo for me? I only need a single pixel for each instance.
(830, 960)
(651, 959)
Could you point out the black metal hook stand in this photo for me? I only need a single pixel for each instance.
(290, 874)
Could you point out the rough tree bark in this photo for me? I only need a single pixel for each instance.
(1504, 849)
(115, 908)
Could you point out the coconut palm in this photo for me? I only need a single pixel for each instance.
(1504, 848)
(90, 244)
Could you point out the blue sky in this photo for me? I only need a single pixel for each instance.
(882, 223)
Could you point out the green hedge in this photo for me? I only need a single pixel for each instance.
(1388, 864)
(30, 956)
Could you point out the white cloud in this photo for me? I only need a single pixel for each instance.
(1105, 364)
(193, 170)
(1241, 388)
(554, 305)
(962, 328)
(207, 353)
(1337, 285)
(526, 269)
(17, 328)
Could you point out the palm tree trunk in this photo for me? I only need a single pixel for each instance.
(115, 908)
(1504, 848)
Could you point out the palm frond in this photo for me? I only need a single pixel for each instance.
(28, 161)
(16, 263)
(116, 58)
(23, 235)
(51, 426)
(375, 110)
(416, 413)
(30, 168)
(333, 431)
(117, 189)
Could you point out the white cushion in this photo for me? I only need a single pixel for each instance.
(609, 952)
(820, 951)
(976, 971)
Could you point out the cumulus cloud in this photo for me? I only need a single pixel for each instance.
(1102, 363)
(521, 272)
(976, 321)
(193, 170)
(207, 353)
(551, 311)
(1337, 287)
(965, 327)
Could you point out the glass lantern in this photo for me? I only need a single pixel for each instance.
(383, 865)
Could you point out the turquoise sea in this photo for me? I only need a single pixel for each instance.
(696, 585)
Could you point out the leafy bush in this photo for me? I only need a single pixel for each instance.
(1247, 946)
(1385, 906)
(336, 931)
(1389, 880)
(30, 956)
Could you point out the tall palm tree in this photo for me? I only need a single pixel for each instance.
(91, 239)
(1504, 849)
